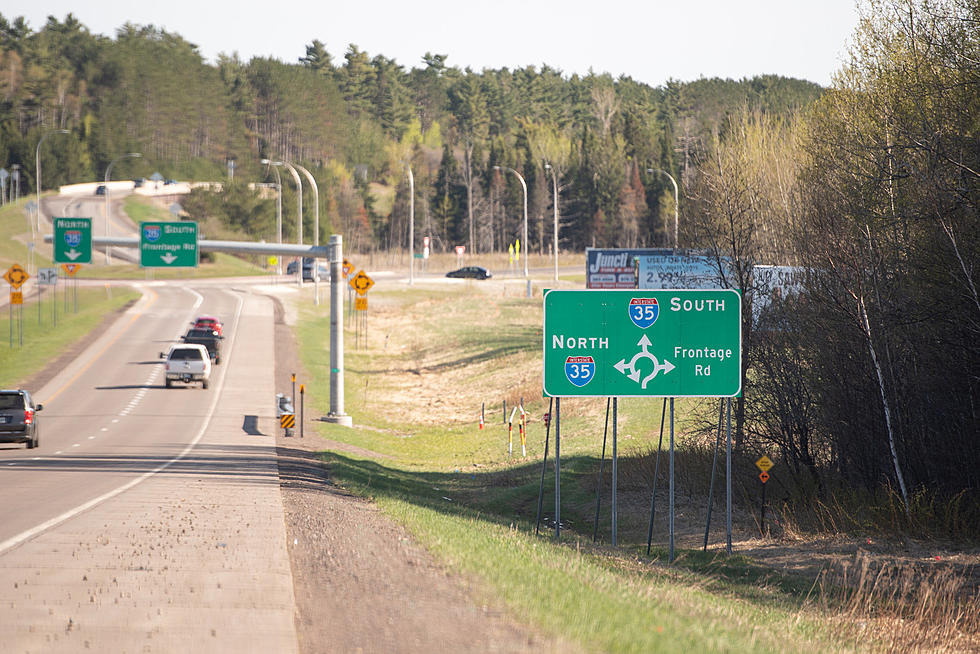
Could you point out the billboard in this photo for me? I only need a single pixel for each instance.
(612, 268)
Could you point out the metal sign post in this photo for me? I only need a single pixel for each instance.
(615, 470)
(557, 419)
(302, 398)
(670, 555)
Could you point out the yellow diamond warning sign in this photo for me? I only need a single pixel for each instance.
(16, 276)
(764, 464)
(361, 282)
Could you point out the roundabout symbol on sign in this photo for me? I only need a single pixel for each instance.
(644, 353)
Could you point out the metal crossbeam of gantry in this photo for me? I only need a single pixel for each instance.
(204, 245)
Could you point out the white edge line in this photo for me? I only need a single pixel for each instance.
(67, 515)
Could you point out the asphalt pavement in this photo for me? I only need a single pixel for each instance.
(150, 519)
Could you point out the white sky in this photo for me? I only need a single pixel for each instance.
(647, 40)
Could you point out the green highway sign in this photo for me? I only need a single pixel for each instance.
(168, 244)
(642, 343)
(72, 240)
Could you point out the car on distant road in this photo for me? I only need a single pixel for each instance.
(209, 338)
(187, 363)
(100, 189)
(18, 418)
(139, 182)
(208, 322)
(308, 262)
(471, 272)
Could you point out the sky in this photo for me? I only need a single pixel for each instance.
(650, 41)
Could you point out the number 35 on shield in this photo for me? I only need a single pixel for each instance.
(579, 370)
(644, 311)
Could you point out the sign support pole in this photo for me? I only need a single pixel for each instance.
(615, 471)
(336, 256)
(714, 465)
(557, 419)
(728, 481)
(656, 475)
(544, 466)
(670, 555)
(598, 482)
(762, 513)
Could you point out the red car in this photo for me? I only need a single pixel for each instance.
(208, 322)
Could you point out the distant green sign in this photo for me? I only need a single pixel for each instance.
(72, 240)
(642, 343)
(168, 244)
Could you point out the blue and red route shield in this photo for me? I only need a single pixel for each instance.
(580, 370)
(644, 311)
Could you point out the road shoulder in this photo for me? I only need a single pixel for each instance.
(361, 582)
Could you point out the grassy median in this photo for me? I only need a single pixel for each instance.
(43, 340)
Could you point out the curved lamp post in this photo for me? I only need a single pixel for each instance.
(316, 230)
(275, 168)
(527, 248)
(299, 206)
(677, 198)
(554, 183)
(108, 172)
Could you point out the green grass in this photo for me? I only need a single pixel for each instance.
(455, 488)
(224, 265)
(15, 233)
(606, 600)
(44, 342)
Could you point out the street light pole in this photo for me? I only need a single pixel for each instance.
(37, 162)
(316, 231)
(108, 172)
(554, 183)
(677, 198)
(299, 214)
(411, 225)
(527, 248)
(274, 165)
(299, 203)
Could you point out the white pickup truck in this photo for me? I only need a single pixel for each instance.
(187, 363)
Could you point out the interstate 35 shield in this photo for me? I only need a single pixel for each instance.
(644, 311)
(580, 370)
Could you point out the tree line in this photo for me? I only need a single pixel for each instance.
(356, 122)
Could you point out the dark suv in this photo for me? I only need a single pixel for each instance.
(18, 418)
(208, 338)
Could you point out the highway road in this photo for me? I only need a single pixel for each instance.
(150, 519)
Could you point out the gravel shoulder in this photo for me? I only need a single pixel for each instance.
(361, 583)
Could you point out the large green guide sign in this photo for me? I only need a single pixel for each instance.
(72, 240)
(642, 343)
(168, 244)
